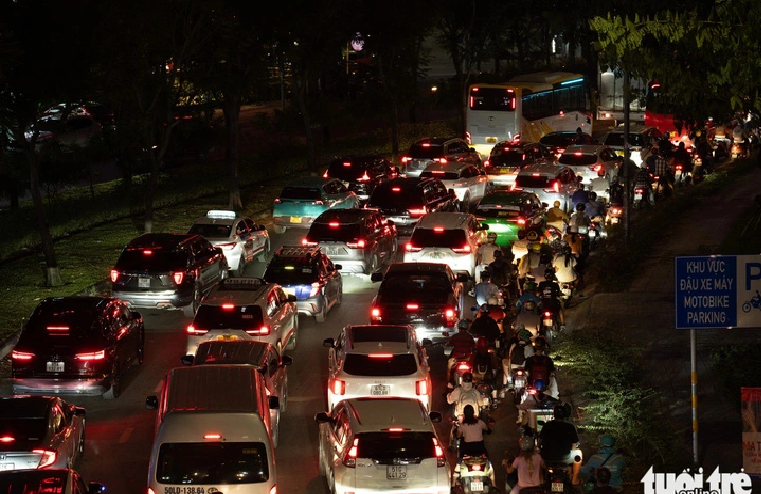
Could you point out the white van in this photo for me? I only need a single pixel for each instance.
(210, 435)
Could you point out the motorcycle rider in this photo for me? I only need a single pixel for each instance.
(472, 430)
(529, 294)
(606, 457)
(529, 466)
(580, 219)
(519, 348)
(464, 395)
(541, 367)
(580, 195)
(485, 289)
(603, 483)
(643, 180)
(559, 443)
(462, 344)
(565, 265)
(681, 157)
(485, 363)
(486, 253)
(550, 294)
(658, 165)
(484, 327)
(529, 262)
(500, 269)
(594, 209)
(576, 243)
(556, 216)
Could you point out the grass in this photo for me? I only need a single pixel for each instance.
(745, 235)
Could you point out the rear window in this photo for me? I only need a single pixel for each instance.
(513, 156)
(426, 151)
(440, 175)
(157, 260)
(34, 482)
(379, 333)
(499, 212)
(303, 193)
(211, 231)
(535, 182)
(333, 230)
(557, 139)
(617, 139)
(386, 446)
(492, 99)
(379, 364)
(393, 196)
(417, 287)
(22, 429)
(212, 463)
(237, 317)
(433, 238)
(290, 274)
(352, 171)
(577, 159)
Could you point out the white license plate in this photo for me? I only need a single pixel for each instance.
(289, 291)
(396, 472)
(55, 366)
(614, 220)
(520, 382)
(491, 140)
(477, 486)
(7, 466)
(637, 196)
(379, 390)
(295, 219)
(144, 282)
(226, 337)
(331, 251)
(557, 487)
(547, 322)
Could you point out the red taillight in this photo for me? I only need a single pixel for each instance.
(228, 306)
(487, 163)
(364, 178)
(375, 313)
(151, 491)
(227, 245)
(114, 275)
(396, 189)
(334, 224)
(359, 244)
(639, 190)
(16, 355)
(438, 229)
(324, 175)
(413, 306)
(194, 330)
(178, 277)
(278, 201)
(48, 457)
(463, 367)
(7, 439)
(315, 289)
(380, 355)
(421, 387)
(548, 314)
(449, 313)
(100, 355)
(418, 211)
(306, 242)
(215, 437)
(521, 221)
(147, 252)
(441, 460)
(678, 167)
(338, 387)
(465, 249)
(519, 372)
(262, 331)
(405, 159)
(476, 468)
(442, 160)
(273, 489)
(350, 460)
(58, 330)
(318, 203)
(347, 164)
(411, 248)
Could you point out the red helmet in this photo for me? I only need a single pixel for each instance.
(482, 343)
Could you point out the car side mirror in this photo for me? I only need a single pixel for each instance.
(136, 315)
(152, 403)
(545, 205)
(329, 343)
(274, 403)
(286, 360)
(435, 417)
(187, 359)
(427, 343)
(261, 228)
(81, 411)
(338, 267)
(292, 298)
(376, 277)
(322, 418)
(462, 277)
(95, 488)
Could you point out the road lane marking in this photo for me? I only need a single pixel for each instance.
(125, 435)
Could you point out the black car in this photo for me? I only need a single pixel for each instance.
(427, 296)
(77, 345)
(405, 200)
(438, 150)
(48, 480)
(362, 173)
(557, 142)
(361, 240)
(167, 271)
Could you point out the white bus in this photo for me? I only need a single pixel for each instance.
(610, 97)
(525, 108)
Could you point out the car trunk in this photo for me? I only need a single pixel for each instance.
(397, 460)
(62, 352)
(380, 374)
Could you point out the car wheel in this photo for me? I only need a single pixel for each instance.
(241, 271)
(373, 267)
(190, 309)
(320, 316)
(292, 341)
(116, 383)
(340, 296)
(262, 256)
(279, 229)
(81, 446)
(284, 399)
(140, 350)
(321, 455)
(465, 204)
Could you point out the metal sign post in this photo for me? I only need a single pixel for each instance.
(694, 393)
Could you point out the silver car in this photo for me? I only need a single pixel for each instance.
(438, 150)
(40, 432)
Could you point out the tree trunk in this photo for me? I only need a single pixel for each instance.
(301, 98)
(232, 115)
(53, 274)
(150, 192)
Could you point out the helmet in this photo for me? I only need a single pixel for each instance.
(464, 324)
(493, 301)
(573, 229)
(523, 333)
(603, 475)
(530, 285)
(556, 204)
(498, 253)
(482, 343)
(467, 377)
(484, 309)
(581, 206)
(681, 145)
(559, 412)
(491, 237)
(698, 133)
(549, 274)
(567, 249)
(608, 441)
(527, 443)
(536, 247)
(593, 196)
(539, 384)
(540, 341)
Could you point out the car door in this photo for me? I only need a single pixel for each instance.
(275, 316)
(332, 278)
(246, 237)
(64, 440)
(380, 236)
(336, 355)
(338, 433)
(123, 334)
(289, 309)
(276, 373)
(258, 236)
(479, 181)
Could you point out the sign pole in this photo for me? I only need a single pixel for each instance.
(694, 392)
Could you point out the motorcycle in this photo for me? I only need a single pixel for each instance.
(737, 150)
(753, 303)
(680, 176)
(566, 293)
(615, 213)
(557, 478)
(549, 325)
(639, 198)
(660, 190)
(528, 318)
(476, 475)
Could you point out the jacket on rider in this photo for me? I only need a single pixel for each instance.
(460, 397)
(484, 326)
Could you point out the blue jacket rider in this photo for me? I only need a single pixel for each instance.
(608, 458)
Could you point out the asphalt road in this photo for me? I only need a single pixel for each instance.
(119, 433)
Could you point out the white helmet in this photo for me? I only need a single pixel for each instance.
(491, 237)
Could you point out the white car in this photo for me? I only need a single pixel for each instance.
(383, 445)
(241, 239)
(468, 182)
(447, 238)
(590, 161)
(366, 361)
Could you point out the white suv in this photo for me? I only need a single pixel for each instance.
(386, 445)
(248, 309)
(377, 361)
(447, 238)
(468, 182)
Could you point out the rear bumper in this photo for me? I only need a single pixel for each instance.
(166, 299)
(304, 221)
(404, 224)
(89, 386)
(311, 306)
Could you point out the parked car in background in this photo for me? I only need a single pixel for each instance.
(304, 199)
(405, 200)
(40, 432)
(507, 212)
(438, 150)
(361, 174)
(468, 182)
(167, 271)
(360, 240)
(507, 158)
(550, 183)
(77, 345)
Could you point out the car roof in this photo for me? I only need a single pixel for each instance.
(25, 406)
(220, 216)
(380, 333)
(584, 148)
(449, 166)
(233, 352)
(448, 220)
(81, 311)
(310, 181)
(345, 215)
(232, 289)
(436, 141)
(513, 144)
(296, 253)
(374, 414)
(160, 240)
(360, 159)
(633, 129)
(506, 196)
(412, 267)
(406, 183)
(384, 347)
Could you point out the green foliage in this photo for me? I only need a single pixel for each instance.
(735, 367)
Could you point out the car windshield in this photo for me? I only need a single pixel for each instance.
(212, 463)
(35, 482)
(333, 230)
(426, 151)
(617, 139)
(535, 181)
(301, 193)
(228, 316)
(386, 446)
(151, 260)
(380, 364)
(419, 287)
(512, 157)
(438, 238)
(290, 274)
(231, 352)
(576, 159)
(441, 175)
(30, 429)
(63, 330)
(379, 334)
(211, 230)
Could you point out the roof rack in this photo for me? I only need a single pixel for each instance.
(305, 252)
(241, 284)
